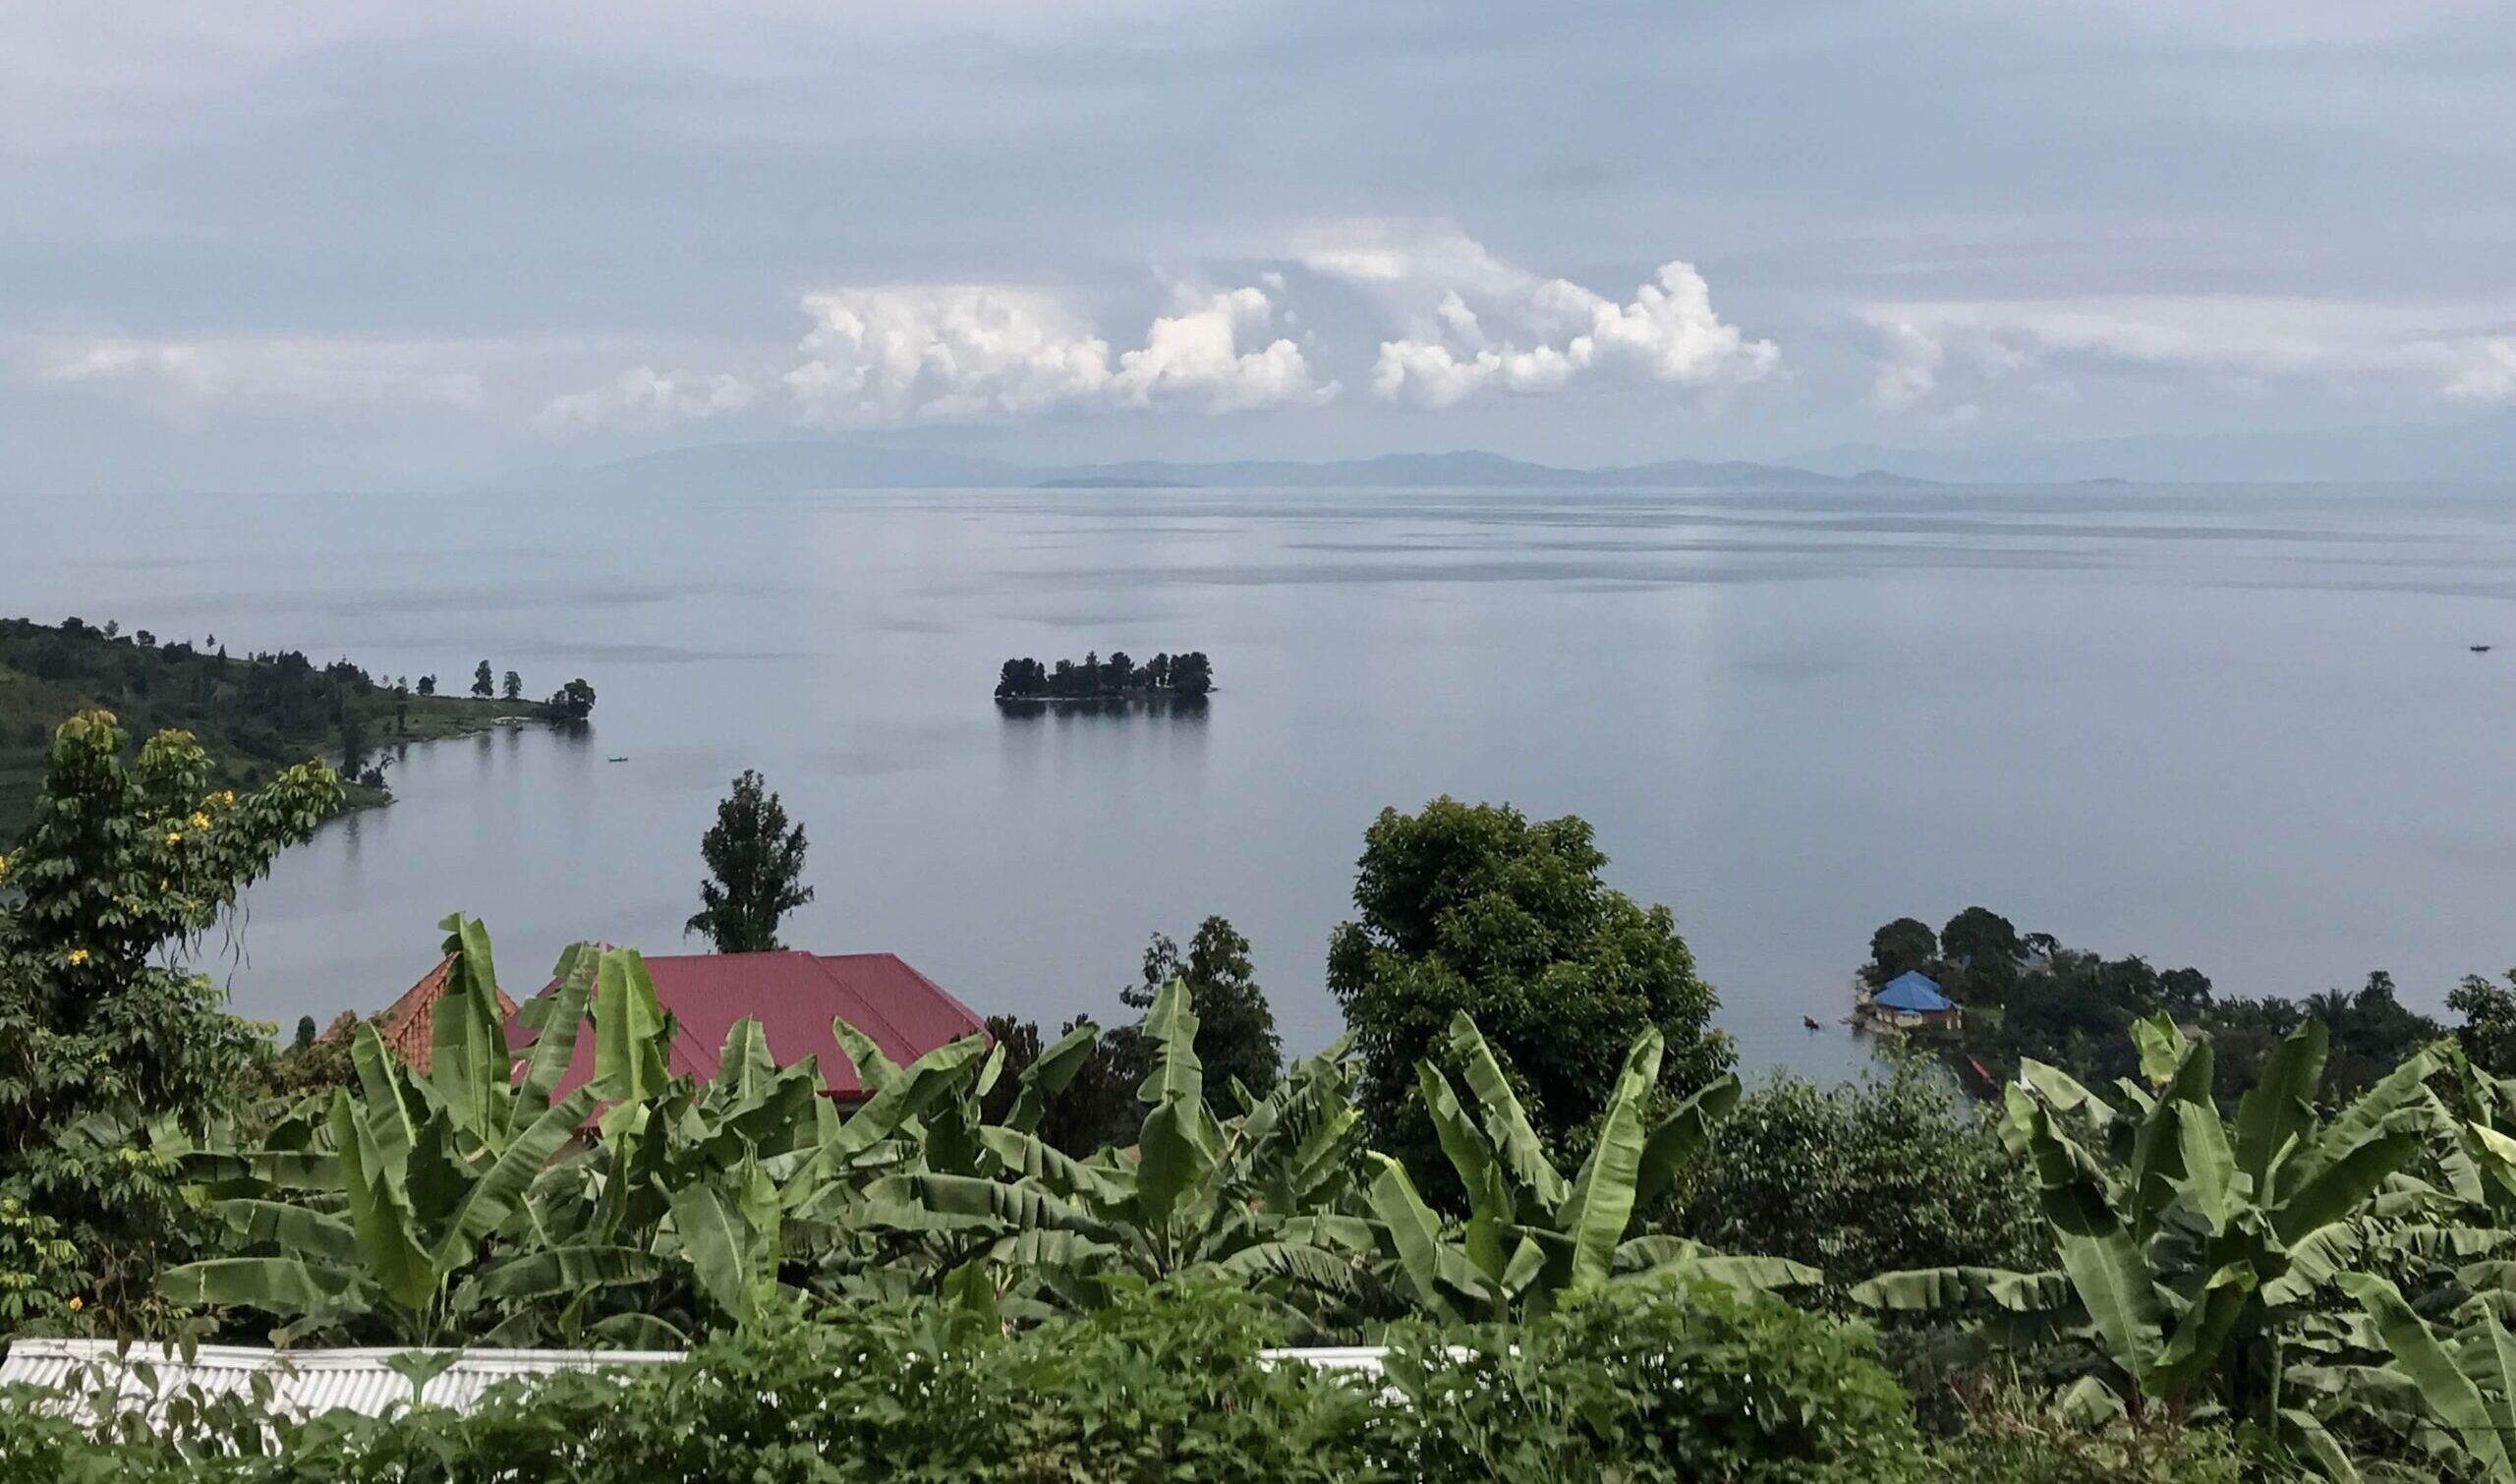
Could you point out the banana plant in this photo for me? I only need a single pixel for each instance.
(1531, 1238)
(1252, 1199)
(2189, 1244)
(421, 1174)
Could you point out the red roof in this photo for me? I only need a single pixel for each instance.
(408, 1026)
(794, 997)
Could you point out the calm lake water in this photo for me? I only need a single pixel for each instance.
(2237, 729)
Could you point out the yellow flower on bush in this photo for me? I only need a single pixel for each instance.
(228, 798)
(78, 956)
(76, 1305)
(199, 820)
(174, 837)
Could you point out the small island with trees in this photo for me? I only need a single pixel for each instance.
(253, 713)
(1165, 677)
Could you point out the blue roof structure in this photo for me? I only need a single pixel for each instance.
(1913, 994)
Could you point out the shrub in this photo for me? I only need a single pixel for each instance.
(1890, 1173)
(2010, 1442)
(1168, 1384)
(1699, 1384)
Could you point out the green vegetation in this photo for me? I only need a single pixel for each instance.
(1667, 1387)
(1643, 1278)
(1188, 676)
(112, 1060)
(1894, 1172)
(1474, 909)
(2028, 996)
(253, 716)
(755, 871)
(1236, 1045)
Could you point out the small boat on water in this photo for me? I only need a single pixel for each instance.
(2480, 649)
(615, 760)
(1811, 1022)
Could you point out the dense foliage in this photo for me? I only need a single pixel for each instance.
(755, 870)
(255, 715)
(1118, 677)
(1897, 1170)
(1237, 1041)
(1475, 909)
(112, 1054)
(1679, 1386)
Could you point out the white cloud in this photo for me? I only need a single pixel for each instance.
(953, 353)
(1479, 323)
(645, 398)
(2491, 376)
(1929, 347)
(1909, 372)
(1194, 357)
(299, 370)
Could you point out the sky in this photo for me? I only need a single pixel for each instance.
(298, 245)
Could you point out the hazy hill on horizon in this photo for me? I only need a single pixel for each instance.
(801, 465)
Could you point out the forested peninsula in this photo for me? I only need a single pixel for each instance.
(1165, 676)
(253, 713)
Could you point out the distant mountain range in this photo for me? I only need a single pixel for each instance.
(2482, 450)
(801, 466)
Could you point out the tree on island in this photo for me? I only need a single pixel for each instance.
(482, 683)
(514, 686)
(572, 701)
(1095, 678)
(756, 871)
(1475, 908)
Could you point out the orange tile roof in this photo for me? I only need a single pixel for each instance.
(409, 1024)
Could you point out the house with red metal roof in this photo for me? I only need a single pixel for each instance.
(794, 996)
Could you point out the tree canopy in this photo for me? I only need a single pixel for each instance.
(1093, 679)
(1475, 908)
(125, 866)
(755, 871)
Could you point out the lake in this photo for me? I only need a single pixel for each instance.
(2238, 728)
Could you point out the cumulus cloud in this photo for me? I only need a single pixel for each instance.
(646, 399)
(299, 370)
(959, 352)
(1479, 323)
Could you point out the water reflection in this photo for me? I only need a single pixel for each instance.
(2154, 721)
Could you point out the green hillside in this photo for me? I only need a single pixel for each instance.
(254, 713)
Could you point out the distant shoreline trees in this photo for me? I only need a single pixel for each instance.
(1118, 677)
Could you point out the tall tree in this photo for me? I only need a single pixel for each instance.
(124, 868)
(514, 686)
(756, 871)
(1475, 908)
(482, 683)
(1236, 1036)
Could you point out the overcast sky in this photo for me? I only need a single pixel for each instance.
(256, 245)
